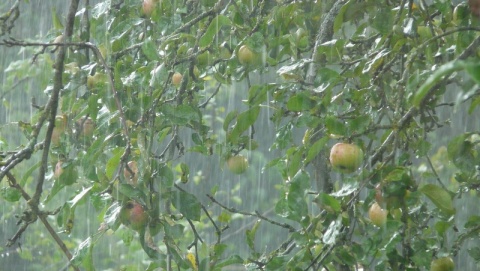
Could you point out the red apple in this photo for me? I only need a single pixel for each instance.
(134, 215)
(346, 157)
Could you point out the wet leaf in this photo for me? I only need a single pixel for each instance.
(300, 102)
(10, 194)
(150, 50)
(330, 236)
(79, 197)
(187, 204)
(233, 259)
(439, 197)
(214, 27)
(335, 126)
(434, 78)
(461, 152)
(250, 234)
(328, 202)
(244, 121)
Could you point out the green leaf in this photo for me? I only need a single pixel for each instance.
(383, 20)
(181, 114)
(233, 259)
(330, 236)
(10, 194)
(315, 149)
(347, 189)
(439, 197)
(294, 159)
(228, 119)
(113, 162)
(83, 252)
(214, 27)
(474, 253)
(257, 94)
(187, 204)
(57, 22)
(166, 174)
(461, 152)
(244, 121)
(474, 71)
(435, 78)
(150, 50)
(251, 235)
(296, 202)
(300, 102)
(328, 202)
(335, 126)
(80, 196)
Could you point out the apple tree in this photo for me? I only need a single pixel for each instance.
(165, 127)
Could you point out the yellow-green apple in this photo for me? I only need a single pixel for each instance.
(377, 215)
(346, 157)
(237, 164)
(442, 264)
(245, 55)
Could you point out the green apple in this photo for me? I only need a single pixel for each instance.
(442, 264)
(346, 157)
(245, 55)
(237, 164)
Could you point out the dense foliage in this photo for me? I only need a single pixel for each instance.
(165, 127)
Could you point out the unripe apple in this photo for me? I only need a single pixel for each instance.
(134, 215)
(346, 157)
(237, 164)
(132, 179)
(442, 264)
(148, 7)
(177, 79)
(245, 55)
(377, 215)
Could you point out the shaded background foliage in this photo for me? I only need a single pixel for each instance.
(370, 80)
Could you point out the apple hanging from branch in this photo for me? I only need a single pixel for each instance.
(134, 215)
(345, 157)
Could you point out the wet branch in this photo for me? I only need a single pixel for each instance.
(30, 217)
(255, 214)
